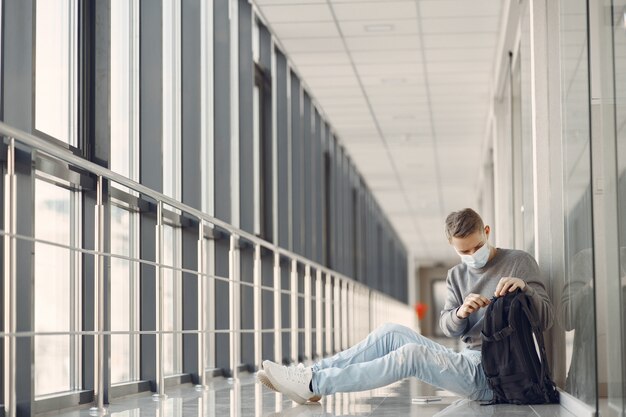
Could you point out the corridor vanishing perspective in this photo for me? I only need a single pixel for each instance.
(193, 187)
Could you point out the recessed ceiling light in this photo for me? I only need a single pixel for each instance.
(379, 28)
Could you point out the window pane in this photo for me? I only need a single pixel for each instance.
(577, 299)
(53, 288)
(121, 290)
(172, 301)
(55, 69)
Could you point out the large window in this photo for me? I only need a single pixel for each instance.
(56, 69)
(57, 287)
(171, 151)
(124, 160)
(577, 300)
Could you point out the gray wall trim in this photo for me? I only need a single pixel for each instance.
(307, 175)
(18, 67)
(191, 173)
(282, 138)
(130, 388)
(246, 145)
(222, 169)
(296, 164)
(96, 18)
(150, 169)
(60, 402)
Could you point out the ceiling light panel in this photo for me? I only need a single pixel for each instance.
(378, 27)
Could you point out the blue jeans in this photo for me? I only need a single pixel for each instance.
(393, 352)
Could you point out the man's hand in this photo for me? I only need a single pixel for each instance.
(472, 303)
(509, 284)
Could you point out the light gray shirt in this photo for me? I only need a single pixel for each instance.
(464, 280)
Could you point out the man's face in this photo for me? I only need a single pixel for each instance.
(468, 245)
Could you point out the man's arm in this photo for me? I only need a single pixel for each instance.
(449, 322)
(528, 279)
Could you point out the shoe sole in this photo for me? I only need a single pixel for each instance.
(292, 395)
(263, 379)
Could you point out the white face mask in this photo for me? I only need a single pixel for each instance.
(479, 258)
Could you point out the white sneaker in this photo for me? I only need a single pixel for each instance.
(292, 381)
(263, 379)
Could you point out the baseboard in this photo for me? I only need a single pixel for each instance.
(576, 406)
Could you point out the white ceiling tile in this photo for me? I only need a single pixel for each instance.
(459, 8)
(293, 13)
(309, 72)
(462, 77)
(391, 73)
(385, 56)
(296, 45)
(463, 54)
(305, 30)
(450, 25)
(466, 40)
(320, 59)
(463, 66)
(332, 82)
(385, 27)
(407, 43)
(377, 11)
(449, 112)
(287, 2)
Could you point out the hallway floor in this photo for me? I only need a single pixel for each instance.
(247, 397)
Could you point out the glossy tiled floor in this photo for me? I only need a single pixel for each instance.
(246, 397)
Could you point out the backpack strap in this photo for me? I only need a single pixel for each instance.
(499, 335)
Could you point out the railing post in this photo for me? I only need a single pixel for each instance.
(308, 319)
(210, 304)
(345, 325)
(352, 319)
(294, 311)
(328, 300)
(10, 227)
(160, 301)
(258, 312)
(234, 296)
(278, 323)
(319, 297)
(337, 314)
(202, 307)
(99, 307)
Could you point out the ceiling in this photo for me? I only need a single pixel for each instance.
(406, 86)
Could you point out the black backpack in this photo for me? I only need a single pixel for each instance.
(513, 360)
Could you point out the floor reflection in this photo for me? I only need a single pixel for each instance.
(245, 397)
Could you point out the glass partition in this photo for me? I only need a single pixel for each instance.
(617, 401)
(577, 307)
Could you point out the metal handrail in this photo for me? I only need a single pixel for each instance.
(336, 294)
(62, 154)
